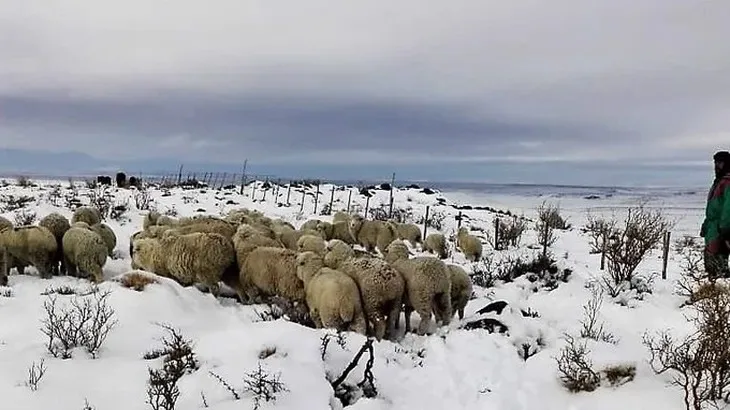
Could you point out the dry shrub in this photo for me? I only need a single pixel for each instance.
(695, 283)
(700, 362)
(599, 231)
(642, 230)
(575, 367)
(136, 281)
(509, 233)
(619, 374)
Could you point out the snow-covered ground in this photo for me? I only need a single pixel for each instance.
(451, 369)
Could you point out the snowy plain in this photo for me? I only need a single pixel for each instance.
(451, 369)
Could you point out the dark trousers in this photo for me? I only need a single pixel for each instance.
(716, 265)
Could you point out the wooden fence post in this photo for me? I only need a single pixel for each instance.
(332, 198)
(425, 222)
(266, 189)
(390, 211)
(665, 256)
(603, 250)
(349, 200)
(243, 175)
(316, 198)
(253, 190)
(458, 220)
(304, 192)
(288, 192)
(276, 192)
(367, 206)
(496, 233)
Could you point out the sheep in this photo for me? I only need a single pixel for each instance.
(409, 232)
(84, 250)
(469, 244)
(58, 225)
(371, 234)
(333, 298)
(337, 230)
(107, 234)
(289, 237)
(461, 289)
(269, 271)
(5, 223)
(87, 214)
(311, 224)
(198, 257)
(337, 252)
(220, 227)
(436, 243)
(340, 216)
(248, 238)
(428, 288)
(153, 231)
(397, 250)
(311, 243)
(31, 245)
(381, 289)
(154, 218)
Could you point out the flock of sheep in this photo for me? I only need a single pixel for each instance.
(57, 246)
(317, 266)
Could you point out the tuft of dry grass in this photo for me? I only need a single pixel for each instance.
(136, 281)
(619, 374)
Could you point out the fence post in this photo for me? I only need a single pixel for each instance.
(276, 191)
(332, 198)
(179, 174)
(665, 257)
(367, 205)
(243, 175)
(253, 190)
(266, 189)
(349, 200)
(304, 192)
(425, 222)
(496, 234)
(603, 250)
(316, 198)
(288, 192)
(392, 182)
(458, 220)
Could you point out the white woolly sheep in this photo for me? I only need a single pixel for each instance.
(337, 252)
(333, 297)
(409, 232)
(7, 261)
(198, 257)
(270, 271)
(372, 234)
(469, 245)
(311, 224)
(428, 289)
(397, 250)
(436, 243)
(58, 225)
(154, 218)
(341, 216)
(32, 245)
(290, 237)
(311, 243)
(87, 214)
(381, 289)
(84, 251)
(107, 234)
(461, 289)
(247, 238)
(204, 225)
(336, 230)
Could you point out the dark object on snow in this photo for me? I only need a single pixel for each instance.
(413, 186)
(490, 324)
(497, 306)
(104, 180)
(385, 187)
(121, 179)
(134, 181)
(365, 192)
(428, 191)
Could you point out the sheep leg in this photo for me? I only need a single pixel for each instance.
(359, 325)
(394, 318)
(407, 312)
(71, 269)
(443, 310)
(378, 326)
(461, 314)
(425, 315)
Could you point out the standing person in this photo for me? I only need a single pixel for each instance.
(716, 226)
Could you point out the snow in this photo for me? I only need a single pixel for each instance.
(453, 368)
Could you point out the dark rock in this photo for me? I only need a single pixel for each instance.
(490, 324)
(497, 306)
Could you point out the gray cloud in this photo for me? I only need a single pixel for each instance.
(368, 82)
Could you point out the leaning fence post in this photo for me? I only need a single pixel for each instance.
(349, 200)
(316, 198)
(332, 198)
(496, 233)
(288, 192)
(665, 257)
(367, 206)
(458, 220)
(425, 222)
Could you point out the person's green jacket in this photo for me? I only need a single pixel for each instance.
(716, 226)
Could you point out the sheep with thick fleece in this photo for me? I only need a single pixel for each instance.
(436, 243)
(397, 250)
(289, 237)
(336, 230)
(220, 227)
(154, 218)
(311, 224)
(5, 223)
(198, 257)
(461, 289)
(84, 250)
(372, 234)
(269, 271)
(341, 216)
(153, 231)
(7, 261)
(31, 245)
(87, 214)
(428, 289)
(58, 225)
(247, 238)
(147, 255)
(337, 252)
(409, 232)
(469, 245)
(381, 289)
(107, 234)
(333, 297)
(311, 243)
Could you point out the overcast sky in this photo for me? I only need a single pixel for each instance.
(478, 86)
